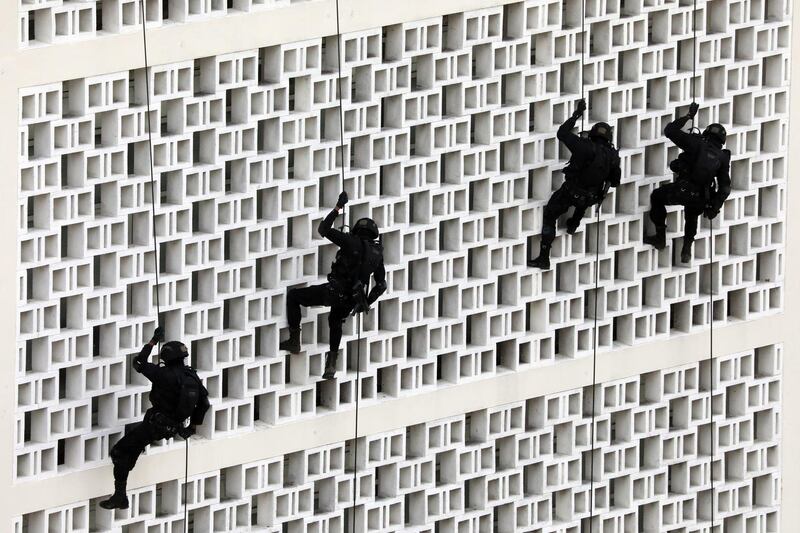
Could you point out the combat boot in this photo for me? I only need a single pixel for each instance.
(572, 226)
(657, 241)
(292, 344)
(543, 261)
(330, 364)
(686, 251)
(118, 500)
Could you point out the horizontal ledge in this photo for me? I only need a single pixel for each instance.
(390, 414)
(175, 42)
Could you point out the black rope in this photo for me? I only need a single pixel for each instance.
(712, 448)
(155, 237)
(358, 318)
(583, 61)
(185, 486)
(694, 58)
(150, 158)
(340, 90)
(711, 365)
(359, 322)
(585, 43)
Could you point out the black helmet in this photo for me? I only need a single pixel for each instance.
(366, 227)
(602, 130)
(716, 131)
(173, 351)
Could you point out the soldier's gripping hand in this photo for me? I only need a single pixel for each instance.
(158, 335)
(579, 109)
(342, 201)
(693, 108)
(711, 212)
(360, 307)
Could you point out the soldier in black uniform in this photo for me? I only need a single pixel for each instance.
(360, 256)
(701, 185)
(593, 167)
(174, 397)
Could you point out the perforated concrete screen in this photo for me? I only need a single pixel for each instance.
(527, 466)
(449, 133)
(65, 21)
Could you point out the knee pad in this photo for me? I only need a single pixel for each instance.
(290, 295)
(656, 194)
(118, 458)
(549, 213)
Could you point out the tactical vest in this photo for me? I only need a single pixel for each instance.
(186, 398)
(165, 398)
(595, 172)
(352, 266)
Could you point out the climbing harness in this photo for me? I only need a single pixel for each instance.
(155, 238)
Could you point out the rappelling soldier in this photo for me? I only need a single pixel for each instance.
(177, 395)
(592, 169)
(359, 258)
(702, 181)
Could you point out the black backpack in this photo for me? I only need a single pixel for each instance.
(706, 164)
(595, 172)
(192, 398)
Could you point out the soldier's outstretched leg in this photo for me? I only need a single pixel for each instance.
(336, 318)
(124, 455)
(692, 215)
(659, 199)
(557, 206)
(306, 297)
(574, 221)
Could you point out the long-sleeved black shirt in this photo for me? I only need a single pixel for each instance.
(166, 380)
(352, 246)
(582, 154)
(691, 146)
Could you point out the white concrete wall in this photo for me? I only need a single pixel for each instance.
(749, 311)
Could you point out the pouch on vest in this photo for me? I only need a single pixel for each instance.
(192, 399)
(706, 165)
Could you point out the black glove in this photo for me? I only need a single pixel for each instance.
(187, 432)
(360, 307)
(158, 335)
(342, 200)
(711, 212)
(693, 108)
(579, 109)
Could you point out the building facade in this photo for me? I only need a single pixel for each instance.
(620, 391)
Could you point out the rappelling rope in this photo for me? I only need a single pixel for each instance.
(340, 94)
(155, 239)
(585, 43)
(359, 323)
(344, 160)
(712, 448)
(150, 160)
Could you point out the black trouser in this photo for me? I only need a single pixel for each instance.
(316, 295)
(678, 193)
(565, 197)
(127, 450)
